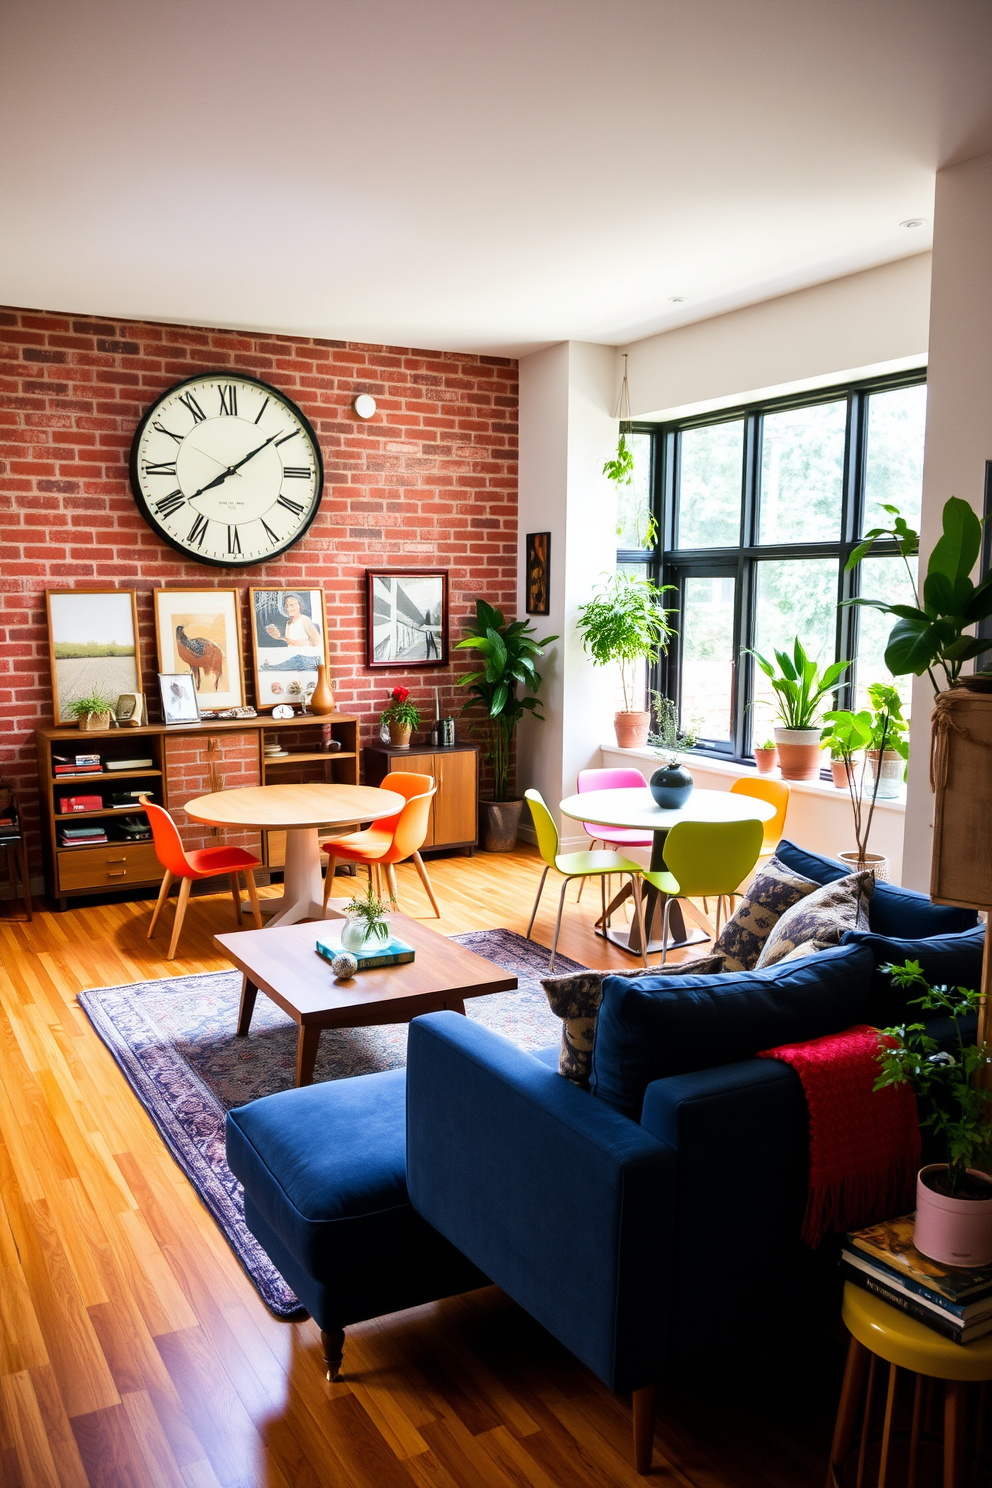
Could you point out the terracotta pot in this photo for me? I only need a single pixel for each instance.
(799, 753)
(891, 782)
(766, 760)
(877, 862)
(631, 729)
(839, 770)
(399, 735)
(956, 1232)
(91, 723)
(322, 698)
(500, 822)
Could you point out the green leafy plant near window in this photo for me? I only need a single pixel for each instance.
(956, 1101)
(933, 633)
(847, 734)
(800, 685)
(624, 622)
(669, 739)
(509, 653)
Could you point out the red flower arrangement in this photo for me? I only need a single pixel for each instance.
(399, 712)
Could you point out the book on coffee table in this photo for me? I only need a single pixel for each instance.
(391, 952)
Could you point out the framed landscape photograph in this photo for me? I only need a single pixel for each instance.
(91, 642)
(538, 573)
(289, 641)
(407, 611)
(199, 632)
(179, 703)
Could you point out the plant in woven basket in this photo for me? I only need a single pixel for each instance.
(93, 702)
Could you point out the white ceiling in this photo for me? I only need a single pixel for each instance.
(452, 174)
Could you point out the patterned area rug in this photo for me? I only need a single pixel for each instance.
(174, 1041)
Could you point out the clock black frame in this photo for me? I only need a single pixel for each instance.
(228, 373)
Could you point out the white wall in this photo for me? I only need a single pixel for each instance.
(959, 423)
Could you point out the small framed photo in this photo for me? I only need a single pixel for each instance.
(92, 646)
(179, 702)
(538, 573)
(407, 617)
(289, 641)
(199, 632)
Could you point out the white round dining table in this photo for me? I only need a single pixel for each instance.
(635, 807)
(299, 811)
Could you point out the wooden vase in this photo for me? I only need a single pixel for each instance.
(322, 698)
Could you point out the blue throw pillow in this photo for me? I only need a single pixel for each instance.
(952, 959)
(649, 1028)
(893, 910)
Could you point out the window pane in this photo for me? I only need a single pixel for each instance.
(711, 465)
(802, 470)
(881, 578)
(795, 597)
(894, 461)
(708, 657)
(634, 509)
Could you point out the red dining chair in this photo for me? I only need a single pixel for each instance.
(203, 862)
(390, 840)
(622, 778)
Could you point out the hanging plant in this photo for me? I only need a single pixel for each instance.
(620, 468)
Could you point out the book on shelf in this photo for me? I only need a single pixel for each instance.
(69, 838)
(892, 1243)
(60, 770)
(130, 764)
(916, 1306)
(391, 952)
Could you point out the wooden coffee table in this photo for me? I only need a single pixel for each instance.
(284, 965)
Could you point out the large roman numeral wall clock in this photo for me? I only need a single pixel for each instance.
(227, 470)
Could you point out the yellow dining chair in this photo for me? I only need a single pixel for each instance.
(574, 865)
(776, 793)
(704, 859)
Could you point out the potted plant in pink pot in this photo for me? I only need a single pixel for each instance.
(953, 1198)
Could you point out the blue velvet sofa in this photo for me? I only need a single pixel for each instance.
(636, 1220)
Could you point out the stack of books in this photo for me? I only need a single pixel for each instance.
(883, 1260)
(76, 764)
(81, 836)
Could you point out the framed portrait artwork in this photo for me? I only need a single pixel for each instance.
(289, 641)
(178, 693)
(538, 573)
(92, 644)
(199, 632)
(407, 617)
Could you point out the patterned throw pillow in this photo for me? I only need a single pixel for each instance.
(575, 999)
(819, 920)
(773, 891)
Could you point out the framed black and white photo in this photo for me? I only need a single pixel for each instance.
(179, 702)
(407, 617)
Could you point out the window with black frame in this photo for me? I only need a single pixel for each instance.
(750, 515)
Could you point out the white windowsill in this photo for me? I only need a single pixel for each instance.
(735, 771)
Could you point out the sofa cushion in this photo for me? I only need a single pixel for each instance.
(575, 999)
(773, 890)
(820, 919)
(954, 960)
(893, 910)
(650, 1028)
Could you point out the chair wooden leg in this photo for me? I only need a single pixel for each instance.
(914, 1433)
(394, 892)
(643, 1402)
(418, 863)
(22, 858)
(854, 1378)
(954, 1412)
(332, 863)
(183, 900)
(163, 895)
(333, 1346)
(540, 891)
(256, 912)
(236, 894)
(890, 1401)
(554, 943)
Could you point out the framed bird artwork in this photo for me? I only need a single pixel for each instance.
(199, 634)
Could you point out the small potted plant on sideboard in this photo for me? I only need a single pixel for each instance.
(400, 717)
(92, 712)
(625, 623)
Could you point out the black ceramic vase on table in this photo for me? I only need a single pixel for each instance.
(671, 786)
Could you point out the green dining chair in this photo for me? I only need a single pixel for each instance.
(574, 865)
(704, 859)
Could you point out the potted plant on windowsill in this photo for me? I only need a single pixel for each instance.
(801, 688)
(625, 623)
(509, 653)
(92, 712)
(671, 785)
(953, 1198)
(860, 735)
(400, 717)
(766, 756)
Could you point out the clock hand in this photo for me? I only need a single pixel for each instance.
(232, 469)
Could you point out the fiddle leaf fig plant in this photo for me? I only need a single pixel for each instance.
(509, 653)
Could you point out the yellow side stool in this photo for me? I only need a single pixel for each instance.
(879, 1331)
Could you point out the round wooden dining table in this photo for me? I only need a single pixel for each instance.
(299, 811)
(636, 807)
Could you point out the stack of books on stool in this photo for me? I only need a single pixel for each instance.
(883, 1260)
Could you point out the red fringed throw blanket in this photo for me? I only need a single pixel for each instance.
(864, 1145)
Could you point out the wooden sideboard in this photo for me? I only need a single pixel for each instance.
(187, 760)
(454, 820)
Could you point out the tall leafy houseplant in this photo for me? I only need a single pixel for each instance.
(624, 622)
(509, 654)
(800, 688)
(875, 732)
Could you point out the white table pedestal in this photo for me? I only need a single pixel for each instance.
(303, 882)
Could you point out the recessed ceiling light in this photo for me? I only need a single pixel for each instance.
(676, 299)
(914, 222)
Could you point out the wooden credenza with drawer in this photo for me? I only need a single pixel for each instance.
(454, 821)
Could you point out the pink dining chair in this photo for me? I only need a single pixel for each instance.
(625, 778)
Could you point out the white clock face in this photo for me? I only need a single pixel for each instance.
(227, 470)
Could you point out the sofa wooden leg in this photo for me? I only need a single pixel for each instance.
(333, 1345)
(643, 1428)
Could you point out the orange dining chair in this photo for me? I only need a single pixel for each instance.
(776, 793)
(389, 841)
(203, 862)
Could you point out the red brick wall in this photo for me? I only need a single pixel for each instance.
(194, 766)
(430, 481)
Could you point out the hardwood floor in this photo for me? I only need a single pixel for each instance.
(134, 1353)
